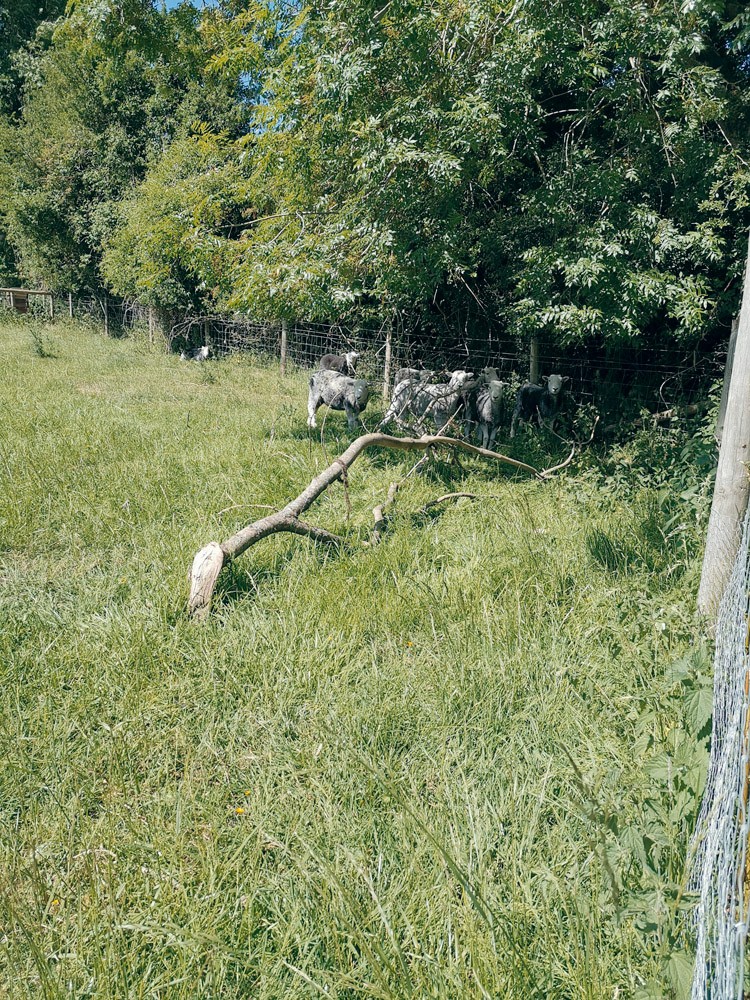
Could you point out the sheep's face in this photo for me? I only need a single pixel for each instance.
(555, 384)
(496, 390)
(459, 378)
(361, 392)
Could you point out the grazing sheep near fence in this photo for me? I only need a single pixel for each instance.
(413, 375)
(427, 400)
(195, 354)
(346, 364)
(544, 401)
(338, 391)
(489, 411)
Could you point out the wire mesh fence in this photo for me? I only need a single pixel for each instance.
(631, 378)
(720, 873)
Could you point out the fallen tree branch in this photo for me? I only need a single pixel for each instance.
(445, 498)
(379, 515)
(208, 563)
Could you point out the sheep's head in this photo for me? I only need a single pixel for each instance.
(351, 358)
(555, 383)
(496, 390)
(361, 392)
(459, 378)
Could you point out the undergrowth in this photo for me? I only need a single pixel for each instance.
(464, 763)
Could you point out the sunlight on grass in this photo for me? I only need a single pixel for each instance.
(378, 773)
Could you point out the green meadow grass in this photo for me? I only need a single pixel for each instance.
(387, 772)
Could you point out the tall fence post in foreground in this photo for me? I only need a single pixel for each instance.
(70, 304)
(284, 345)
(534, 359)
(151, 324)
(732, 483)
(727, 379)
(51, 307)
(387, 363)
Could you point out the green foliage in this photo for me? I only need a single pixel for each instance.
(579, 173)
(102, 102)
(167, 250)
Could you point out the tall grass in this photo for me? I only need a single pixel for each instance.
(400, 771)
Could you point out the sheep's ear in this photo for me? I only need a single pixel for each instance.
(566, 378)
(545, 378)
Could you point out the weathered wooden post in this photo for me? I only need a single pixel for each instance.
(732, 483)
(52, 307)
(387, 362)
(727, 379)
(70, 304)
(534, 359)
(106, 317)
(284, 345)
(151, 325)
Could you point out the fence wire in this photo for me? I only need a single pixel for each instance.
(635, 377)
(719, 872)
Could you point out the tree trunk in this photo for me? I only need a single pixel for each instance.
(732, 484)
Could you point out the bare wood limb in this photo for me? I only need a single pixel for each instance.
(209, 561)
(378, 513)
(445, 498)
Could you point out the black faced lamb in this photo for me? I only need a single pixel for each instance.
(489, 411)
(195, 354)
(540, 401)
(427, 401)
(344, 363)
(338, 391)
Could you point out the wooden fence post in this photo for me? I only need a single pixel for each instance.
(70, 304)
(727, 379)
(732, 484)
(387, 363)
(106, 317)
(51, 307)
(284, 345)
(151, 325)
(534, 360)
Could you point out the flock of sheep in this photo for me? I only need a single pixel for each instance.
(420, 401)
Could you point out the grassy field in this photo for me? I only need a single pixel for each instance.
(463, 763)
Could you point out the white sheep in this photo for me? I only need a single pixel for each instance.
(426, 400)
(195, 354)
(338, 391)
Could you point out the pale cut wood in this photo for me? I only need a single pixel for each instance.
(204, 573)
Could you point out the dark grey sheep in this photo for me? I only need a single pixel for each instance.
(541, 401)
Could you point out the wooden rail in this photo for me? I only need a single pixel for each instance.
(19, 298)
